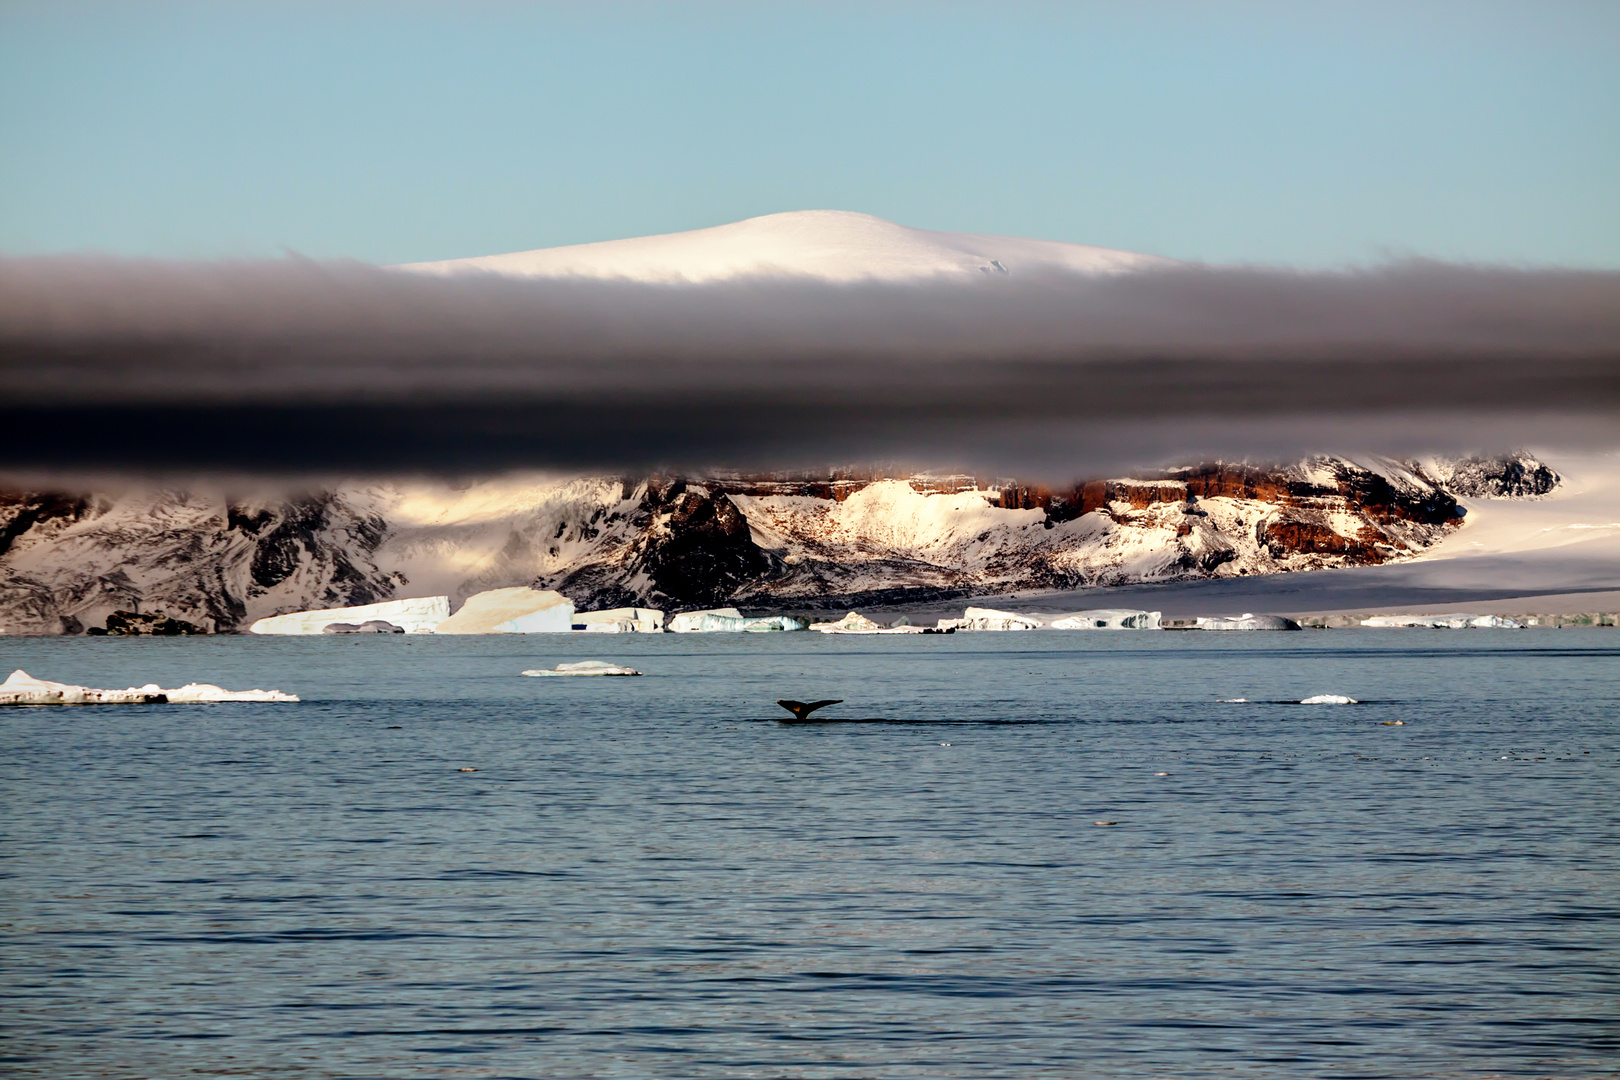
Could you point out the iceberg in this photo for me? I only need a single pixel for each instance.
(772, 623)
(625, 620)
(1246, 621)
(1444, 622)
(724, 622)
(583, 667)
(854, 622)
(23, 689)
(981, 618)
(418, 615)
(1108, 619)
(518, 610)
(692, 622)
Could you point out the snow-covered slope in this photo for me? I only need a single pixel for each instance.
(832, 245)
(1579, 518)
(68, 561)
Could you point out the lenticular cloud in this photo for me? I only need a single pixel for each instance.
(295, 365)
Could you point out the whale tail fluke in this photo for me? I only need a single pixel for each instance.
(802, 709)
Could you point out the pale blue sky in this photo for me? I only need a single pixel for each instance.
(1302, 133)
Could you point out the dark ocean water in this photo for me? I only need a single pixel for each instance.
(640, 882)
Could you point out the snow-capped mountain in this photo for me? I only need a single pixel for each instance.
(831, 245)
(67, 561)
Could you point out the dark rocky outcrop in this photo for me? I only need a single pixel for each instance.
(700, 550)
(1506, 476)
(140, 624)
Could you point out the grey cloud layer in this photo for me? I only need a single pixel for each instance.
(297, 365)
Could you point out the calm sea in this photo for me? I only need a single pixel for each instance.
(640, 880)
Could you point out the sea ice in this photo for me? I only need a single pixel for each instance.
(418, 615)
(1330, 699)
(583, 667)
(23, 689)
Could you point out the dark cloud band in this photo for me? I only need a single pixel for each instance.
(298, 366)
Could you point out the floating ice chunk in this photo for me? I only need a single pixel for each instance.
(1108, 619)
(204, 693)
(1330, 699)
(518, 610)
(372, 626)
(23, 689)
(692, 622)
(1246, 621)
(583, 667)
(625, 620)
(1232, 701)
(418, 615)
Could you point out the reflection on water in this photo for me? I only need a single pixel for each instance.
(637, 881)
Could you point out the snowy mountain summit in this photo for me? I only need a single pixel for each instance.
(828, 245)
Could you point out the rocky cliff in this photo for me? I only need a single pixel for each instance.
(70, 560)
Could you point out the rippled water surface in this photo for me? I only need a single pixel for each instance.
(640, 881)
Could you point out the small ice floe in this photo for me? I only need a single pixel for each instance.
(1330, 699)
(1232, 701)
(23, 689)
(584, 667)
(1105, 823)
